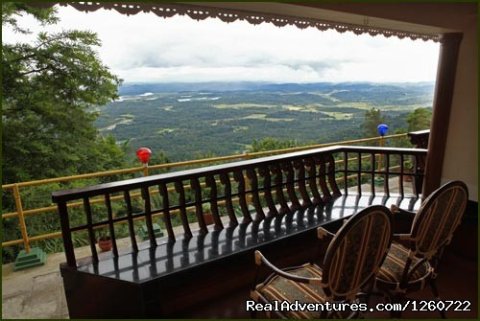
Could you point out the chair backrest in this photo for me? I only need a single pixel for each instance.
(437, 218)
(356, 252)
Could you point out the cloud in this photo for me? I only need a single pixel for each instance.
(147, 48)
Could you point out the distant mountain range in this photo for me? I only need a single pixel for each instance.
(141, 88)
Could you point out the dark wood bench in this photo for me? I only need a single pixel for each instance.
(273, 204)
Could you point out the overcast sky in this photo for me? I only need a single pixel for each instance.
(147, 48)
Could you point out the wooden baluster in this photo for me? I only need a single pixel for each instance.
(148, 216)
(288, 168)
(200, 249)
(345, 171)
(299, 166)
(331, 176)
(252, 176)
(359, 174)
(135, 266)
(278, 226)
(212, 184)
(279, 188)
(288, 223)
(238, 176)
(91, 233)
(131, 227)
(312, 181)
(372, 171)
(267, 188)
(185, 259)
(267, 224)
(152, 267)
(108, 204)
(116, 267)
(213, 251)
(170, 263)
(242, 233)
(198, 205)
(166, 211)
(228, 246)
(387, 176)
(253, 239)
(183, 210)
(402, 172)
(322, 178)
(225, 179)
(417, 179)
(66, 234)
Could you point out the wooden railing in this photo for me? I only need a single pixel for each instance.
(249, 190)
(23, 211)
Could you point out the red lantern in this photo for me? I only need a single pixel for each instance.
(143, 154)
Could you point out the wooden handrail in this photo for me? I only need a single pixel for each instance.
(293, 178)
(246, 156)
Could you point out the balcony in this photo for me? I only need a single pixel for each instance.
(38, 292)
(273, 203)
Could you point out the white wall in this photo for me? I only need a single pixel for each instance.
(461, 154)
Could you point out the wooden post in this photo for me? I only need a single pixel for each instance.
(442, 105)
(145, 169)
(21, 217)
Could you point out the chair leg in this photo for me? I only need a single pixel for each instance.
(396, 298)
(433, 287)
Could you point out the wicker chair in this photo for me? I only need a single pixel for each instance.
(354, 256)
(412, 261)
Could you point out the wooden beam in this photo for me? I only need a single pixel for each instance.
(442, 105)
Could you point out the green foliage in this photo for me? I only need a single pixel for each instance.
(373, 118)
(419, 119)
(50, 89)
(269, 143)
(10, 11)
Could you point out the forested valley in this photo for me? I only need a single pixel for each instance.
(187, 121)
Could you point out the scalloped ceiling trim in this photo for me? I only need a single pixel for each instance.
(166, 10)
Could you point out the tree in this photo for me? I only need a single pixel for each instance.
(269, 143)
(419, 119)
(373, 118)
(50, 91)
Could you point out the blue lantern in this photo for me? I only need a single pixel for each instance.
(382, 129)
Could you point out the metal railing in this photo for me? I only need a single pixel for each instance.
(21, 213)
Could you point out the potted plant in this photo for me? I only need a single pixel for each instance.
(208, 217)
(104, 242)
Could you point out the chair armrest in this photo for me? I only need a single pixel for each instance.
(402, 237)
(324, 235)
(402, 220)
(397, 210)
(261, 260)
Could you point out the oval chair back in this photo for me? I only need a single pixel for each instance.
(437, 219)
(356, 253)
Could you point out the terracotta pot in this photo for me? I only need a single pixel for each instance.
(208, 217)
(105, 244)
